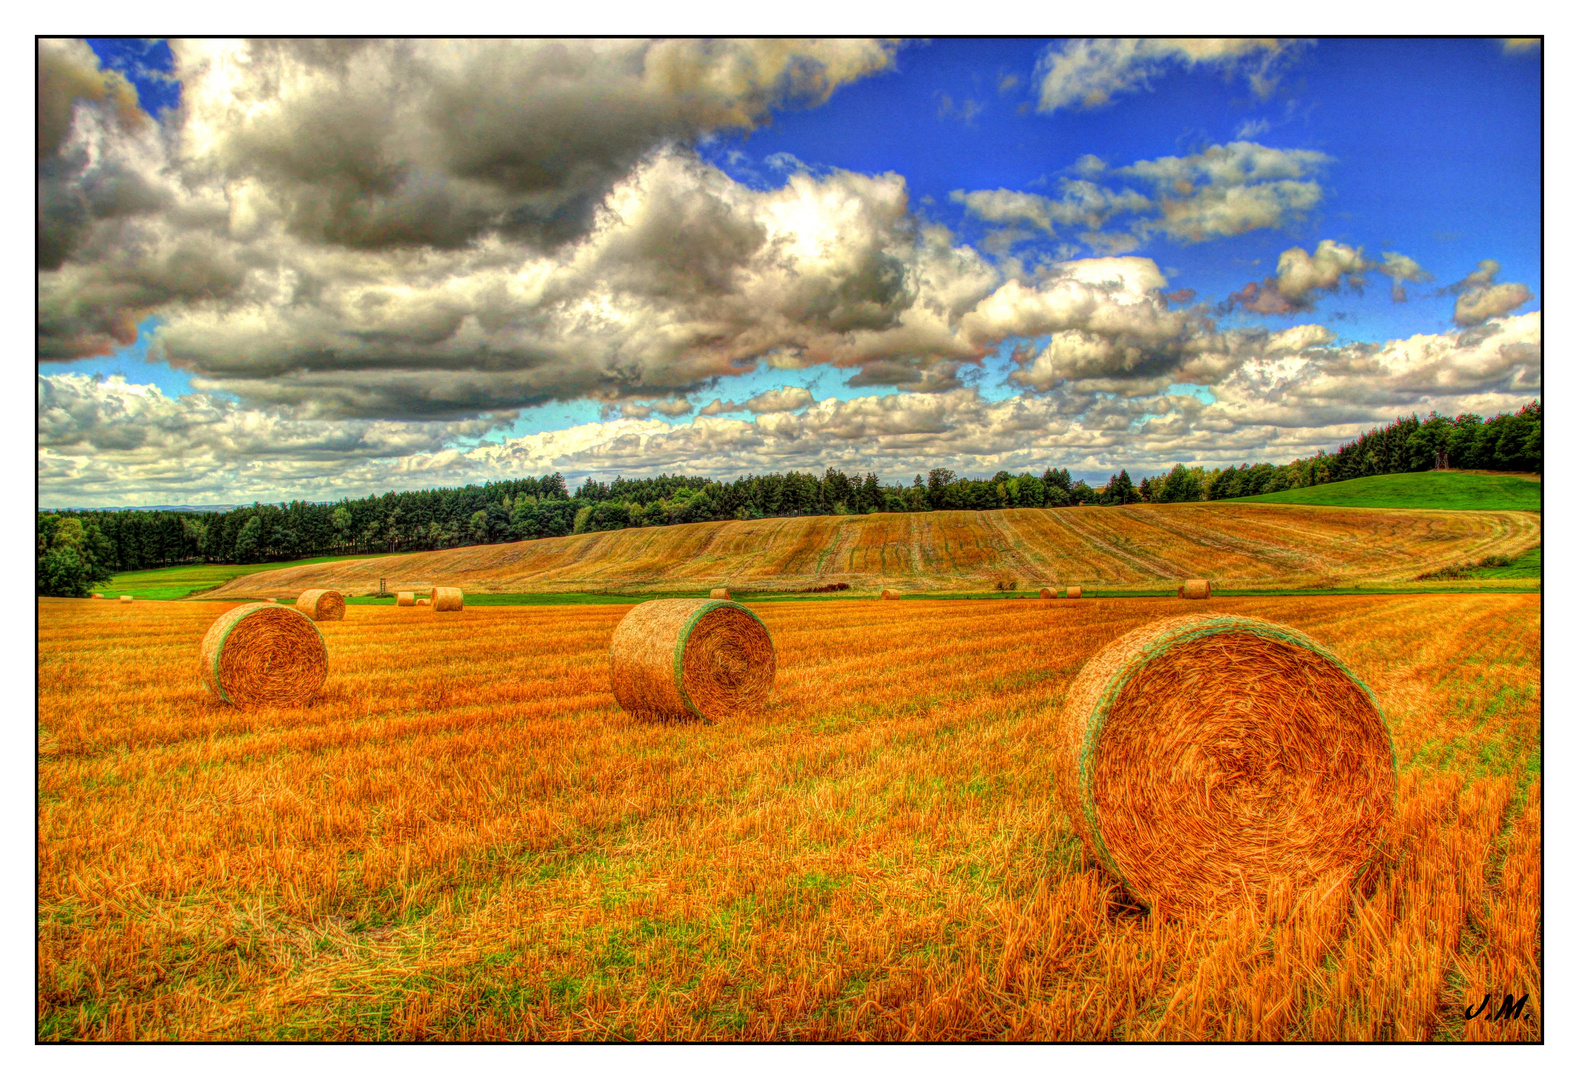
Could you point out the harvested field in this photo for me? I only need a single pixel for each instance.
(1239, 546)
(466, 838)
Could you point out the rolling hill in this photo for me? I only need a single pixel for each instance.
(1445, 490)
(1241, 545)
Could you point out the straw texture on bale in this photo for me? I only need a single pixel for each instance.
(1049, 594)
(1195, 589)
(263, 654)
(405, 599)
(321, 605)
(890, 594)
(719, 594)
(1073, 592)
(125, 599)
(1210, 760)
(448, 600)
(691, 658)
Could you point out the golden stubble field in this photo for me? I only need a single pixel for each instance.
(464, 838)
(1239, 546)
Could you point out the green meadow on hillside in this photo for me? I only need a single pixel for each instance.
(1417, 491)
(177, 582)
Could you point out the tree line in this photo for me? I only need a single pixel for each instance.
(78, 549)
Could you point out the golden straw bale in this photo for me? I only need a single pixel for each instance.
(1211, 760)
(405, 599)
(448, 600)
(890, 594)
(1195, 589)
(719, 594)
(691, 658)
(1049, 594)
(97, 596)
(125, 598)
(1073, 592)
(263, 654)
(321, 605)
(422, 602)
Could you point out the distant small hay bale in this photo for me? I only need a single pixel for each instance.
(263, 654)
(321, 605)
(691, 658)
(448, 600)
(719, 594)
(97, 596)
(1049, 594)
(890, 594)
(1212, 760)
(405, 599)
(1195, 589)
(126, 598)
(1073, 592)
(423, 602)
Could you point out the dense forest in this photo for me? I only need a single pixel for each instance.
(78, 549)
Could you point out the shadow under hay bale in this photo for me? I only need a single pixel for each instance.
(263, 654)
(405, 599)
(1209, 761)
(1195, 589)
(321, 605)
(680, 659)
(719, 594)
(448, 600)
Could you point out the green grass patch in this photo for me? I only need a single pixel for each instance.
(1416, 491)
(179, 582)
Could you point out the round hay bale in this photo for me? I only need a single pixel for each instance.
(890, 594)
(1209, 759)
(719, 594)
(1049, 594)
(321, 605)
(125, 598)
(685, 658)
(1073, 592)
(405, 599)
(1195, 589)
(448, 600)
(97, 596)
(263, 654)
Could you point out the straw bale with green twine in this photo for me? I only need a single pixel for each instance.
(263, 654)
(1211, 760)
(321, 605)
(448, 600)
(678, 659)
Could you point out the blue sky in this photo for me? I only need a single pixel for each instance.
(279, 288)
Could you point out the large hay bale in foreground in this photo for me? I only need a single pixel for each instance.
(1073, 592)
(1049, 594)
(263, 654)
(405, 599)
(448, 600)
(1195, 589)
(890, 594)
(685, 658)
(719, 594)
(321, 605)
(126, 598)
(1210, 759)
